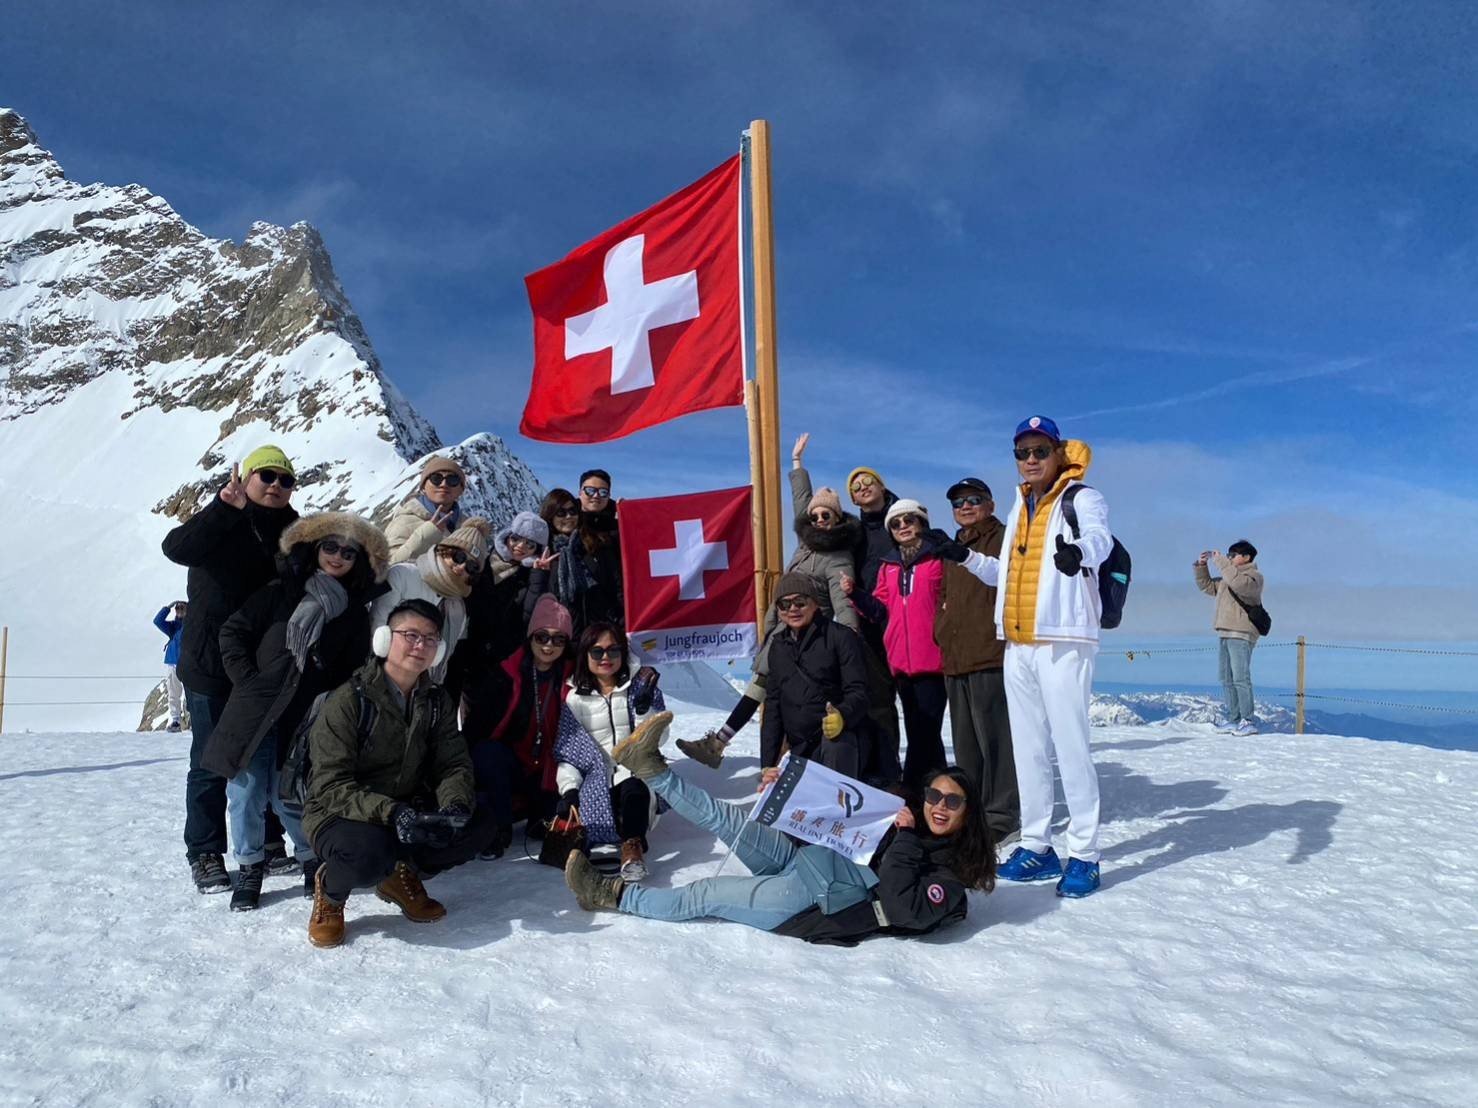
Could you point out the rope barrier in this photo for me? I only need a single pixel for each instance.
(1381, 703)
(1393, 649)
(1150, 652)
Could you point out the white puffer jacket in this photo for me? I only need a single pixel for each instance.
(1067, 608)
(609, 721)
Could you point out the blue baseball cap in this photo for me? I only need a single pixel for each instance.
(1037, 425)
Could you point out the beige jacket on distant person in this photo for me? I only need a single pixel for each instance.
(1230, 621)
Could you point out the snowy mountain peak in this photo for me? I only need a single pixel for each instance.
(140, 359)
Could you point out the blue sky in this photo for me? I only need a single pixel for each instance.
(1232, 245)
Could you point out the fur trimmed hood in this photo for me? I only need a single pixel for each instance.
(843, 537)
(312, 529)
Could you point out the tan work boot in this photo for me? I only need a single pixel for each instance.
(404, 889)
(709, 749)
(326, 924)
(639, 753)
(592, 891)
(633, 862)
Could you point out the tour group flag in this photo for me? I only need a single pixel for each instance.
(825, 807)
(688, 564)
(643, 323)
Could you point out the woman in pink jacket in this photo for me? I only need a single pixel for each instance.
(904, 601)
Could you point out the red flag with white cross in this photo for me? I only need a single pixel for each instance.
(643, 323)
(688, 564)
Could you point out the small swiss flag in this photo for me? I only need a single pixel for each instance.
(688, 568)
(643, 323)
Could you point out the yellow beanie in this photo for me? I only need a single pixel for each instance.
(874, 474)
(266, 457)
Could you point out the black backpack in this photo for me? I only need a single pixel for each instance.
(297, 767)
(1113, 574)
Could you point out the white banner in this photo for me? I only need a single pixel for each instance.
(828, 808)
(691, 644)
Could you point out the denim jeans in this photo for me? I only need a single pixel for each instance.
(1236, 678)
(205, 792)
(247, 797)
(765, 901)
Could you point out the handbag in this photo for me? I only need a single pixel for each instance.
(1261, 621)
(563, 837)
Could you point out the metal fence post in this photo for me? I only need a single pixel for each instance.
(1298, 711)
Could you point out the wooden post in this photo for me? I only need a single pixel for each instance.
(757, 509)
(766, 367)
(1298, 698)
(4, 650)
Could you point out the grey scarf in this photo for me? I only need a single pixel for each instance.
(323, 599)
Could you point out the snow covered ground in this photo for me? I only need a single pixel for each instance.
(1284, 920)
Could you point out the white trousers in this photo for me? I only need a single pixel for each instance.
(1048, 686)
(175, 691)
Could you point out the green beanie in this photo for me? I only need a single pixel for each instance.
(265, 457)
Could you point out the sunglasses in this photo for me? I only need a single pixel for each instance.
(863, 482)
(275, 477)
(550, 638)
(953, 801)
(450, 480)
(791, 603)
(1040, 453)
(964, 501)
(456, 554)
(342, 549)
(415, 640)
(900, 522)
(822, 516)
(604, 653)
(567, 511)
(595, 493)
(519, 540)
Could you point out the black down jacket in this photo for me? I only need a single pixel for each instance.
(231, 553)
(824, 664)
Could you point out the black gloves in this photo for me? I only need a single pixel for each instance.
(458, 815)
(407, 823)
(428, 828)
(1069, 557)
(947, 548)
(643, 689)
(568, 799)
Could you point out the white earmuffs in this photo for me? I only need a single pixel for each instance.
(380, 644)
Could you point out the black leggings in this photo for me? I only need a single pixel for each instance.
(924, 702)
(631, 802)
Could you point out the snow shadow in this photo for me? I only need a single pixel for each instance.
(1125, 795)
(1145, 744)
(1191, 834)
(85, 769)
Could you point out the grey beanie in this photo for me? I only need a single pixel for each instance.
(803, 583)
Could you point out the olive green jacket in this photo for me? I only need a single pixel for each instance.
(405, 760)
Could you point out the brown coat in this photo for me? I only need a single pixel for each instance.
(965, 623)
(1230, 620)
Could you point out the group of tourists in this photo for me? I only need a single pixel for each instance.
(396, 702)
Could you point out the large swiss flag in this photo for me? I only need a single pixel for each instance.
(688, 564)
(643, 323)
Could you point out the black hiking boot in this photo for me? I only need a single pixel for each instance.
(248, 889)
(280, 863)
(209, 873)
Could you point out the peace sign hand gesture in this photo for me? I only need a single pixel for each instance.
(442, 520)
(234, 492)
(546, 559)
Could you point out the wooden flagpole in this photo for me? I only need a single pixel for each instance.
(766, 369)
(757, 509)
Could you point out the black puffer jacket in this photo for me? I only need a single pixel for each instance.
(231, 553)
(824, 664)
(917, 893)
(268, 690)
(876, 543)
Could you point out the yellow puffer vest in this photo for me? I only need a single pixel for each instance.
(1019, 616)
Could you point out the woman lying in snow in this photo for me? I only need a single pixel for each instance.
(916, 884)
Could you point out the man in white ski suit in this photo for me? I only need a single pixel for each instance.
(1047, 611)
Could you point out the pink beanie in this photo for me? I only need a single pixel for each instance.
(551, 615)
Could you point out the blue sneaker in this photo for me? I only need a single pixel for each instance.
(1080, 879)
(1023, 865)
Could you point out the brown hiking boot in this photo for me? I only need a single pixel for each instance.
(639, 753)
(633, 864)
(592, 891)
(709, 749)
(404, 889)
(326, 924)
